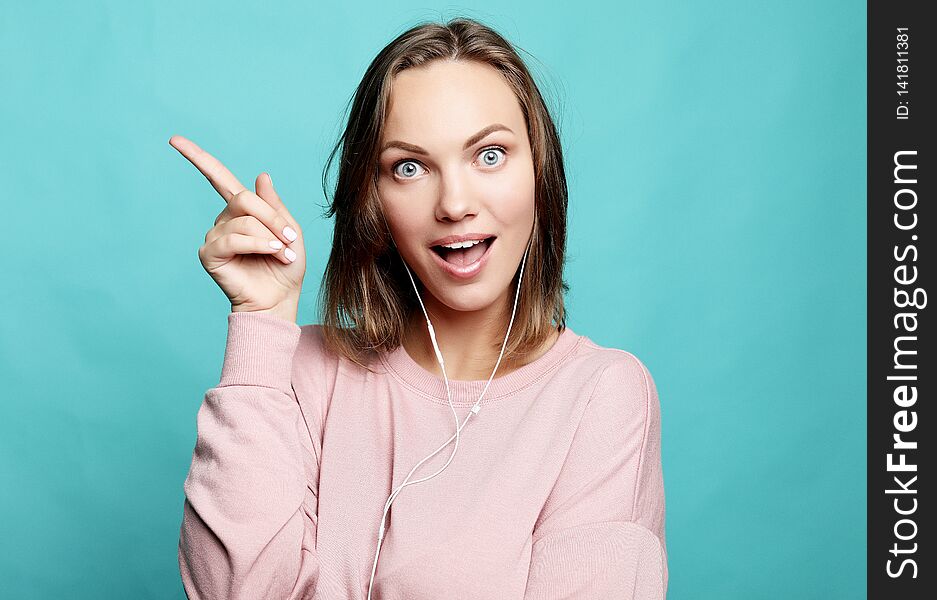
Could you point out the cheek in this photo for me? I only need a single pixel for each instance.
(394, 206)
(406, 225)
(512, 199)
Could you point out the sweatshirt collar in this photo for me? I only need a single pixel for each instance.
(466, 392)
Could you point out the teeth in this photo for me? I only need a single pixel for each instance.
(457, 245)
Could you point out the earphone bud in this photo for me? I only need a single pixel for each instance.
(474, 410)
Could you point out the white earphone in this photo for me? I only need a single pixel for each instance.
(473, 411)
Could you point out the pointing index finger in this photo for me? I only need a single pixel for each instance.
(223, 180)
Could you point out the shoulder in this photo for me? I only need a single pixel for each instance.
(624, 391)
(627, 375)
(311, 338)
(312, 344)
(314, 366)
(620, 372)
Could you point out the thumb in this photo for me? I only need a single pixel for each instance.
(264, 188)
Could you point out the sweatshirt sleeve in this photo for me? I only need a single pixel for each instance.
(601, 531)
(249, 516)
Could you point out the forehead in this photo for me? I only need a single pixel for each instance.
(449, 99)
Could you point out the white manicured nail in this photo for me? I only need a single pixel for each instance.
(276, 244)
(290, 255)
(289, 234)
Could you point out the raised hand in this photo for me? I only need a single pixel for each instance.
(255, 249)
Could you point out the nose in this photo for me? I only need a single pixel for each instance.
(457, 199)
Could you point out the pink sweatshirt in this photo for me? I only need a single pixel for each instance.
(556, 490)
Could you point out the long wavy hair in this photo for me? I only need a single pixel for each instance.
(366, 298)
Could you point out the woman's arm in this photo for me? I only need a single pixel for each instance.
(249, 517)
(601, 531)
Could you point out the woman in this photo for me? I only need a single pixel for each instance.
(377, 455)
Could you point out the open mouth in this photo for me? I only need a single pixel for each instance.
(463, 257)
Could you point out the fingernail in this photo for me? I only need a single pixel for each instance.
(289, 234)
(290, 255)
(276, 244)
(270, 179)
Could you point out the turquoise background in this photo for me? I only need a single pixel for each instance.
(716, 156)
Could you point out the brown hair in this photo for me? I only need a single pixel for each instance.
(366, 298)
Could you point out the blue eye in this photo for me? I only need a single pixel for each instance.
(491, 153)
(410, 170)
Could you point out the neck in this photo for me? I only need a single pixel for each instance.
(470, 342)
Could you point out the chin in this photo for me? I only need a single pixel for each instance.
(462, 297)
(466, 298)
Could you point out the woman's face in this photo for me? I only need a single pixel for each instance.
(456, 160)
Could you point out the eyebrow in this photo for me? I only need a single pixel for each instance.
(468, 143)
